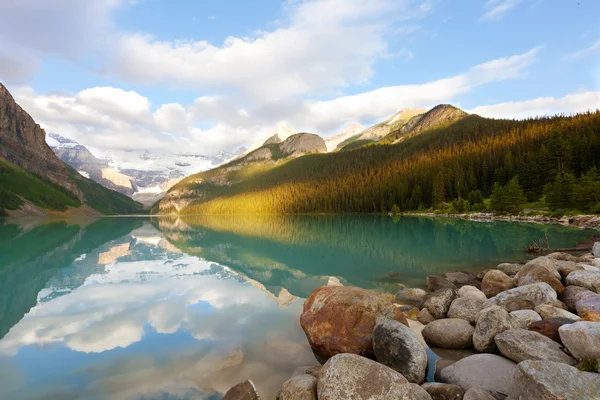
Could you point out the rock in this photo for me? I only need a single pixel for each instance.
(510, 269)
(476, 372)
(412, 296)
(471, 292)
(547, 311)
(468, 308)
(481, 274)
(563, 257)
(397, 347)
(349, 376)
(582, 339)
(549, 380)
(303, 143)
(559, 304)
(586, 279)
(409, 312)
(596, 249)
(525, 297)
(520, 345)
(477, 394)
(449, 333)
(443, 391)
(525, 317)
(462, 278)
(314, 371)
(490, 323)
(341, 319)
(435, 283)
(439, 302)
(549, 327)
(495, 282)
(587, 304)
(242, 391)
(596, 262)
(569, 296)
(538, 273)
(301, 387)
(425, 317)
(566, 269)
(543, 262)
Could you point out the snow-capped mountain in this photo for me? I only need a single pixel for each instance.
(335, 139)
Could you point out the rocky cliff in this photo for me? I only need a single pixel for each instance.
(303, 143)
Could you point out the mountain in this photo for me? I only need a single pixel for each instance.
(281, 133)
(444, 155)
(33, 180)
(334, 140)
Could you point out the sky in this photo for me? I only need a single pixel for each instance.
(203, 76)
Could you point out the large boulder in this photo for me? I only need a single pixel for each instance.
(477, 394)
(526, 297)
(397, 347)
(582, 339)
(443, 391)
(538, 273)
(569, 296)
(566, 267)
(549, 327)
(448, 333)
(496, 281)
(510, 269)
(341, 319)
(242, 391)
(544, 262)
(596, 249)
(586, 279)
(438, 303)
(547, 311)
(462, 278)
(412, 296)
(520, 345)
(435, 283)
(471, 292)
(483, 371)
(490, 323)
(549, 380)
(301, 387)
(523, 318)
(468, 308)
(587, 304)
(349, 376)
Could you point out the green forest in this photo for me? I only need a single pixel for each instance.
(473, 164)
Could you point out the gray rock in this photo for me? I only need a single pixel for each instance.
(483, 371)
(435, 283)
(490, 323)
(468, 308)
(495, 282)
(549, 380)
(443, 391)
(449, 333)
(587, 304)
(397, 347)
(412, 296)
(471, 292)
(582, 339)
(439, 302)
(547, 311)
(303, 143)
(462, 278)
(596, 249)
(520, 345)
(596, 262)
(583, 278)
(425, 317)
(349, 376)
(569, 296)
(563, 257)
(301, 387)
(510, 269)
(477, 394)
(525, 317)
(543, 262)
(525, 297)
(242, 391)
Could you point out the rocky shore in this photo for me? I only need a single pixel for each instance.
(517, 332)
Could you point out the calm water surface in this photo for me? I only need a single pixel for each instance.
(168, 308)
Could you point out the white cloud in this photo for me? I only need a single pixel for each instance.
(496, 9)
(569, 104)
(583, 52)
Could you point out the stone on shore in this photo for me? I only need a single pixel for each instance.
(569, 296)
(510, 269)
(483, 371)
(425, 317)
(462, 278)
(525, 297)
(242, 391)
(301, 387)
(472, 292)
(490, 323)
(468, 308)
(435, 283)
(314, 371)
(566, 269)
(397, 347)
(582, 339)
(443, 391)
(525, 317)
(449, 333)
(477, 394)
(496, 281)
(586, 279)
(587, 304)
(520, 345)
(547, 311)
(543, 262)
(549, 327)
(412, 296)
(349, 376)
(539, 273)
(563, 257)
(596, 249)
(341, 319)
(549, 380)
(439, 302)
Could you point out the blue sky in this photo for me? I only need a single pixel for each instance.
(213, 75)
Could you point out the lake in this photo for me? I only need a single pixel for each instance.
(184, 308)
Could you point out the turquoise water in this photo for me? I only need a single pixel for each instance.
(165, 308)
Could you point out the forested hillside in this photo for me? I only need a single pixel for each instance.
(426, 170)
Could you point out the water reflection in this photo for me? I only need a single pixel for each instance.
(183, 308)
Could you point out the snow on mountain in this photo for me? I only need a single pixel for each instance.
(351, 130)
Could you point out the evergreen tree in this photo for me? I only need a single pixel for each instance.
(586, 193)
(559, 194)
(515, 198)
